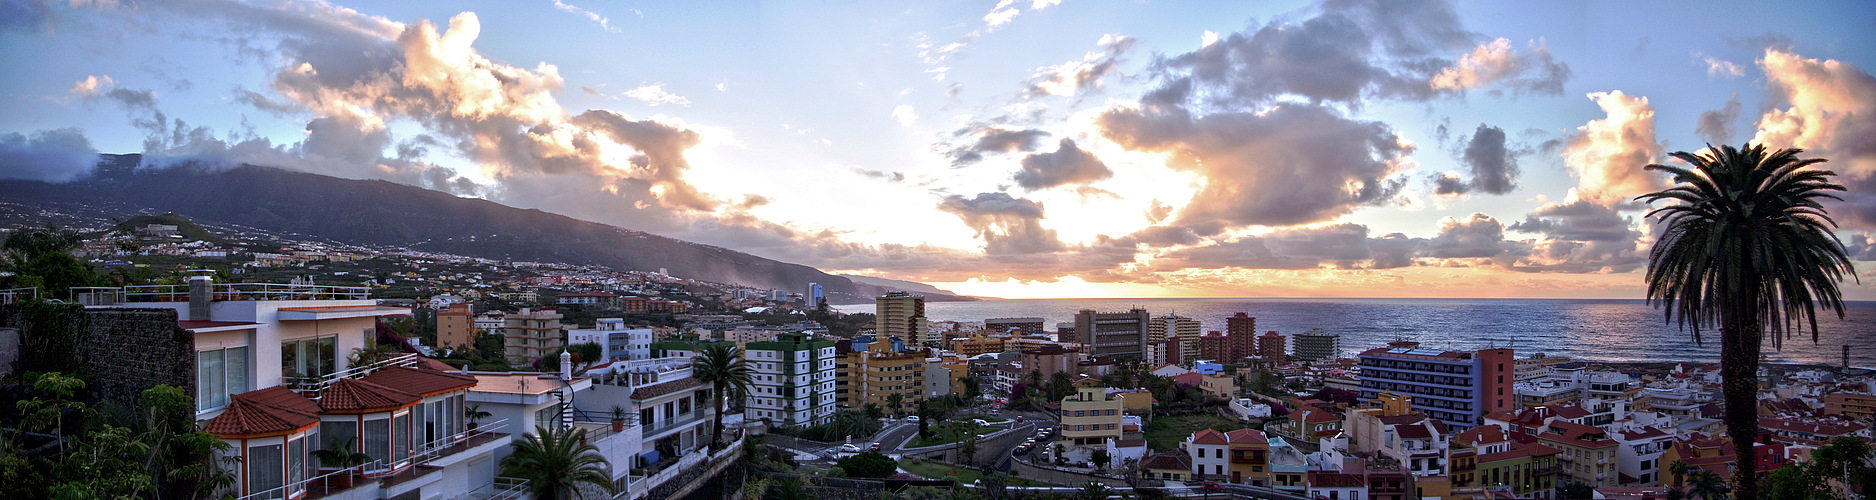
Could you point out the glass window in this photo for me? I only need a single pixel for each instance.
(265, 472)
(211, 389)
(337, 434)
(378, 439)
(400, 440)
(296, 461)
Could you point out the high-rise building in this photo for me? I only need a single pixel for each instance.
(1453, 386)
(1241, 337)
(1317, 345)
(791, 380)
(1171, 325)
(901, 315)
(1120, 335)
(814, 295)
(454, 327)
(875, 374)
(1021, 326)
(1270, 346)
(1213, 347)
(531, 333)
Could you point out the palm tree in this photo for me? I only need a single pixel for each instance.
(1679, 470)
(1749, 247)
(896, 402)
(555, 462)
(1705, 484)
(721, 365)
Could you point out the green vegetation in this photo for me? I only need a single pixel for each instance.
(950, 433)
(42, 258)
(869, 464)
(184, 227)
(935, 470)
(555, 462)
(1747, 247)
(1844, 461)
(854, 423)
(721, 365)
(76, 451)
(1166, 432)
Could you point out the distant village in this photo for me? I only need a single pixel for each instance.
(426, 368)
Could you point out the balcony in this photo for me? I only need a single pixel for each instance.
(423, 460)
(315, 384)
(655, 429)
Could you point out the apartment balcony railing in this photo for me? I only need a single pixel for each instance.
(315, 384)
(370, 473)
(504, 488)
(229, 291)
(660, 426)
(12, 295)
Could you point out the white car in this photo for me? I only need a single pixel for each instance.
(850, 448)
(913, 418)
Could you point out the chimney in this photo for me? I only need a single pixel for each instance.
(200, 284)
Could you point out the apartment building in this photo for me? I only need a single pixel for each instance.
(1456, 387)
(1270, 346)
(1119, 335)
(667, 430)
(1022, 327)
(1241, 337)
(274, 381)
(1090, 416)
(1316, 346)
(455, 326)
(530, 333)
(875, 375)
(901, 315)
(616, 342)
(1171, 326)
(792, 380)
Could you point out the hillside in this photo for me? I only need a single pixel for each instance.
(190, 231)
(382, 213)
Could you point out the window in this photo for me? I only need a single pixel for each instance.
(378, 439)
(547, 415)
(265, 472)
(307, 357)
(337, 434)
(296, 461)
(400, 440)
(220, 373)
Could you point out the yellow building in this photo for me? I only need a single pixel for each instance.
(1090, 417)
(1172, 325)
(1138, 401)
(874, 375)
(978, 344)
(902, 315)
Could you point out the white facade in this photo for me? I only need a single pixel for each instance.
(793, 381)
(1208, 459)
(616, 342)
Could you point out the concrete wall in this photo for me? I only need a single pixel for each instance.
(1061, 477)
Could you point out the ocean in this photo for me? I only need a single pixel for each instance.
(1587, 329)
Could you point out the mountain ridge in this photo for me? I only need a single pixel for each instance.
(377, 212)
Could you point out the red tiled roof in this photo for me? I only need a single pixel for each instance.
(1167, 460)
(280, 396)
(1484, 434)
(1326, 479)
(1411, 418)
(1129, 443)
(349, 395)
(249, 418)
(423, 383)
(1413, 432)
(1246, 436)
(1208, 436)
(663, 388)
(435, 365)
(1190, 378)
(1519, 450)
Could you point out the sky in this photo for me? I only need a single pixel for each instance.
(1034, 148)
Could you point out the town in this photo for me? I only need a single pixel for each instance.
(669, 388)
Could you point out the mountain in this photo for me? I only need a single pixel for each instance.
(184, 227)
(380, 213)
(932, 293)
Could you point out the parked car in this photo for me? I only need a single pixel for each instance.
(874, 447)
(981, 423)
(913, 418)
(1020, 450)
(850, 448)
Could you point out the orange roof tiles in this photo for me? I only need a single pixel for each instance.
(423, 383)
(357, 396)
(274, 411)
(1208, 436)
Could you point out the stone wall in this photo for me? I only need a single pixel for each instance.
(128, 350)
(120, 352)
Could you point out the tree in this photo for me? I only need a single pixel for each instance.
(1094, 490)
(1747, 246)
(967, 445)
(1706, 485)
(896, 402)
(588, 353)
(42, 258)
(995, 484)
(1100, 458)
(721, 365)
(973, 388)
(1679, 469)
(869, 464)
(340, 454)
(555, 462)
(1060, 386)
(1844, 461)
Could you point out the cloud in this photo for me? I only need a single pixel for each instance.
(905, 115)
(47, 155)
(1716, 125)
(655, 94)
(1074, 77)
(1825, 107)
(1718, 68)
(1607, 154)
(1290, 164)
(1476, 236)
(604, 23)
(993, 139)
(25, 15)
(876, 174)
(103, 87)
(1008, 225)
(1068, 164)
(1495, 63)
(1494, 166)
(1582, 236)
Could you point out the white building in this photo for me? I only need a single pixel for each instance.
(665, 433)
(616, 342)
(273, 381)
(793, 380)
